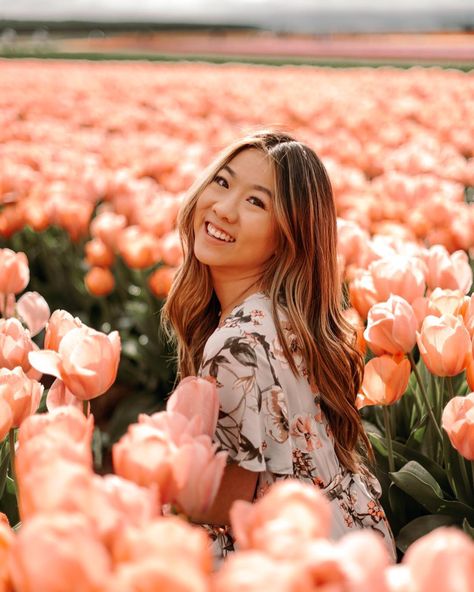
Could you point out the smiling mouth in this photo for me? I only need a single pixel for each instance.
(213, 232)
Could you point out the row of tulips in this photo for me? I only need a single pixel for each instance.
(125, 520)
(414, 314)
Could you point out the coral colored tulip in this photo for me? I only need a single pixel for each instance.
(15, 345)
(399, 275)
(74, 216)
(160, 281)
(458, 421)
(63, 421)
(7, 538)
(351, 241)
(470, 374)
(363, 294)
(60, 323)
(167, 537)
(171, 250)
(22, 394)
(87, 361)
(441, 561)
(391, 327)
(98, 254)
(196, 397)
(448, 271)
(14, 271)
(63, 546)
(385, 380)
(34, 311)
(6, 419)
(59, 396)
(158, 574)
(138, 248)
(290, 511)
(203, 469)
(444, 344)
(99, 281)
(442, 301)
(254, 571)
(107, 226)
(353, 318)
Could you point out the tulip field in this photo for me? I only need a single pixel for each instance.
(101, 468)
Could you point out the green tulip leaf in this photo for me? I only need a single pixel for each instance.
(468, 529)
(3, 473)
(421, 486)
(421, 526)
(430, 465)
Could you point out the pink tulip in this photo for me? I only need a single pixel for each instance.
(290, 514)
(363, 294)
(33, 311)
(443, 301)
(60, 396)
(157, 574)
(254, 571)
(60, 323)
(7, 538)
(51, 550)
(196, 397)
(448, 271)
(107, 227)
(6, 419)
(14, 271)
(444, 344)
(391, 327)
(63, 422)
(458, 421)
(202, 470)
(441, 561)
(171, 250)
(87, 361)
(22, 394)
(352, 241)
(144, 455)
(399, 275)
(15, 345)
(170, 538)
(385, 380)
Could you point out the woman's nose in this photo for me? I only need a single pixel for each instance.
(226, 209)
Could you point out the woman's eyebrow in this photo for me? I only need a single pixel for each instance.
(259, 187)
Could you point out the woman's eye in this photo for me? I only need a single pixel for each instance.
(218, 178)
(260, 202)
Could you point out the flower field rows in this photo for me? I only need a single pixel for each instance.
(95, 162)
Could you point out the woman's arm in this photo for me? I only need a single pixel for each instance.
(237, 484)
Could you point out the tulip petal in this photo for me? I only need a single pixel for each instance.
(46, 361)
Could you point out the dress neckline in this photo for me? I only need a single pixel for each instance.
(254, 294)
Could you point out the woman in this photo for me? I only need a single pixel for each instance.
(257, 306)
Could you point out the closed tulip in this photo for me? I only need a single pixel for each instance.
(34, 311)
(391, 327)
(448, 271)
(443, 301)
(98, 253)
(99, 281)
(22, 394)
(385, 380)
(399, 275)
(291, 511)
(444, 344)
(6, 419)
(458, 421)
(86, 361)
(160, 281)
(363, 294)
(14, 271)
(107, 226)
(196, 397)
(441, 561)
(51, 550)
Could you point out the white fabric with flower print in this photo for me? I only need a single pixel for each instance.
(272, 422)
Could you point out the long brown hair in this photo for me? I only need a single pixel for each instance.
(304, 277)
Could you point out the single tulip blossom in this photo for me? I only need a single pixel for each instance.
(458, 422)
(385, 380)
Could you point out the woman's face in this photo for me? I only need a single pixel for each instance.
(239, 201)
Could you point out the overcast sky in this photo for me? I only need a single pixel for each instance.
(169, 9)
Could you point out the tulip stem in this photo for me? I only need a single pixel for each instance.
(425, 398)
(465, 478)
(85, 408)
(388, 437)
(11, 440)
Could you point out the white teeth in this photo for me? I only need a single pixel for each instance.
(212, 230)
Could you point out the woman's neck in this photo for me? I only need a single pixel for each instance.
(228, 304)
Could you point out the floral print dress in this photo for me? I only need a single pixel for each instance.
(271, 422)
